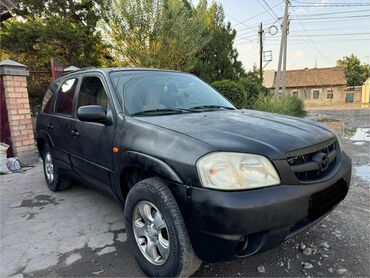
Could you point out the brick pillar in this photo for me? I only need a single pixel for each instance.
(14, 79)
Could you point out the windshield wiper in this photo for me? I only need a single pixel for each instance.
(211, 107)
(161, 111)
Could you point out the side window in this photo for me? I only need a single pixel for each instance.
(48, 101)
(65, 96)
(92, 92)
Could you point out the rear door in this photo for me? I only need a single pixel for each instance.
(92, 143)
(60, 122)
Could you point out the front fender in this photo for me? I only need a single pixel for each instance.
(145, 162)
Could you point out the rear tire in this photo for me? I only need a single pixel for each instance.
(179, 259)
(53, 179)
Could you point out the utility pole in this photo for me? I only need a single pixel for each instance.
(285, 56)
(260, 34)
(283, 52)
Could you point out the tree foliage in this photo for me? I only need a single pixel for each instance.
(218, 59)
(173, 34)
(63, 29)
(356, 73)
(233, 91)
(252, 86)
(34, 41)
(154, 33)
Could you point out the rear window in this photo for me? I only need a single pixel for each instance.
(65, 96)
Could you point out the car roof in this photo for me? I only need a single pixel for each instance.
(107, 70)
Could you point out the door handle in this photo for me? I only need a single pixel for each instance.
(50, 126)
(74, 132)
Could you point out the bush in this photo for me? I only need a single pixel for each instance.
(289, 105)
(252, 89)
(233, 91)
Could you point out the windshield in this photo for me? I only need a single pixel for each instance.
(165, 92)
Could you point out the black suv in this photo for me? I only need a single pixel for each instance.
(198, 178)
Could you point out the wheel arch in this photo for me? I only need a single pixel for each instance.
(42, 139)
(139, 166)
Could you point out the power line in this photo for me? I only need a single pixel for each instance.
(268, 22)
(248, 19)
(346, 12)
(312, 41)
(338, 3)
(330, 6)
(267, 10)
(270, 9)
(332, 35)
(334, 17)
(336, 28)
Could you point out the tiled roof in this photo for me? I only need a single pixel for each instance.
(316, 77)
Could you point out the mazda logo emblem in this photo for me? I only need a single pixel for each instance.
(324, 162)
(322, 159)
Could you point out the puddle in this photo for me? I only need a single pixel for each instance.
(39, 201)
(358, 134)
(363, 172)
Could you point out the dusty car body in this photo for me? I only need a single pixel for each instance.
(212, 182)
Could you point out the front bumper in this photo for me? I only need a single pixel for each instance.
(227, 225)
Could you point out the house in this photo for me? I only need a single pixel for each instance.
(365, 97)
(317, 86)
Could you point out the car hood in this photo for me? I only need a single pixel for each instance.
(249, 131)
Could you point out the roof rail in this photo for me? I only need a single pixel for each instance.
(73, 71)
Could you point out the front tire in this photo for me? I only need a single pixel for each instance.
(54, 180)
(156, 231)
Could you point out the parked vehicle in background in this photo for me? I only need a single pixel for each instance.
(198, 178)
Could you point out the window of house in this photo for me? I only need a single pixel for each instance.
(315, 93)
(65, 96)
(330, 96)
(92, 92)
(295, 93)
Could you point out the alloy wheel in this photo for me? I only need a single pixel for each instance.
(151, 233)
(49, 167)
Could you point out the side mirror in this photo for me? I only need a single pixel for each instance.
(92, 113)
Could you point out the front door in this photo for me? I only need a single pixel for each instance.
(92, 143)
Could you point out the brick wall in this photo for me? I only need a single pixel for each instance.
(19, 118)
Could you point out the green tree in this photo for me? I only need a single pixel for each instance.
(64, 29)
(154, 33)
(356, 73)
(252, 86)
(233, 91)
(218, 59)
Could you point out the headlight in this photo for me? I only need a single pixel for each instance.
(236, 171)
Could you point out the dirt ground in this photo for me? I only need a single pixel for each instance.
(80, 233)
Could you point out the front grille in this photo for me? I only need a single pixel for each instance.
(313, 165)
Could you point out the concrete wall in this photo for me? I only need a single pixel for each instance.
(307, 95)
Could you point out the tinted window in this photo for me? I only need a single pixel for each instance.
(48, 101)
(147, 91)
(92, 92)
(65, 96)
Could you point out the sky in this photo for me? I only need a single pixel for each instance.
(318, 35)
